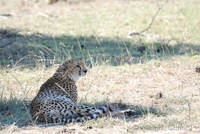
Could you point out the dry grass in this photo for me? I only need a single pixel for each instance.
(162, 87)
(136, 84)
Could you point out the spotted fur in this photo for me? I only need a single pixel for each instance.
(56, 100)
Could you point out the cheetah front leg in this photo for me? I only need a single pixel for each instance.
(88, 110)
(84, 112)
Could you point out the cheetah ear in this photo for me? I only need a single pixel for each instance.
(72, 60)
(77, 60)
(81, 62)
(67, 62)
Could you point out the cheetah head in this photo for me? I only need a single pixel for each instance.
(73, 69)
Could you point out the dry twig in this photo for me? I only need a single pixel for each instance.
(152, 21)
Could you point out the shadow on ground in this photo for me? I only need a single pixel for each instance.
(18, 48)
(14, 111)
(17, 112)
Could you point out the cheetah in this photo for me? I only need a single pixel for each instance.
(56, 101)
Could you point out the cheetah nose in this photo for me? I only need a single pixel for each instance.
(85, 71)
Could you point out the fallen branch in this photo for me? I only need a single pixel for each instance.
(152, 21)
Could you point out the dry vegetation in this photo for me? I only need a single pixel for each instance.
(152, 74)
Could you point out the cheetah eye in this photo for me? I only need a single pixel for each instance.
(78, 66)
